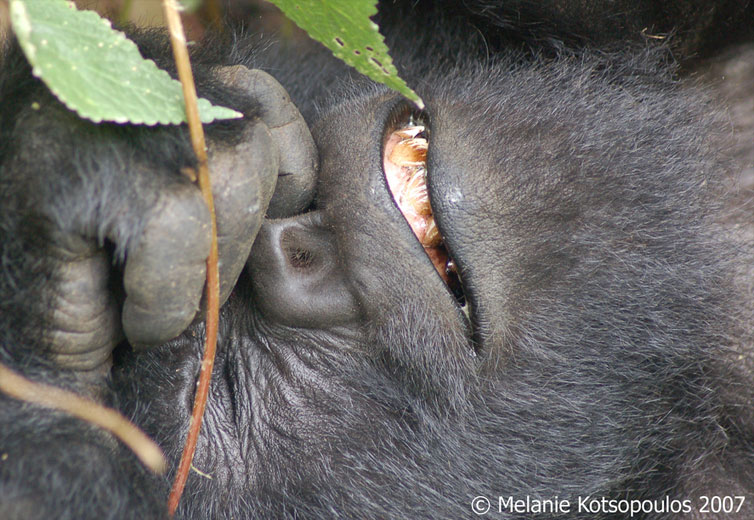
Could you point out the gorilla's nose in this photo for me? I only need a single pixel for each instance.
(296, 274)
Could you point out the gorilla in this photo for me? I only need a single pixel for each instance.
(529, 300)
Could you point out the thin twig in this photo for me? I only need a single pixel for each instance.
(180, 52)
(18, 387)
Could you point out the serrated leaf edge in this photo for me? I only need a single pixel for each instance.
(23, 28)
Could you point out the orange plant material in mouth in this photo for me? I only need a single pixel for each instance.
(405, 166)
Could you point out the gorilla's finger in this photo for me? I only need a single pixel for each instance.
(298, 167)
(243, 180)
(164, 274)
(298, 155)
(84, 317)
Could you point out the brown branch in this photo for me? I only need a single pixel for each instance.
(180, 52)
(18, 387)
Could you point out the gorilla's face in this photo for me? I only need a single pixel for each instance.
(526, 290)
(341, 326)
(341, 321)
(358, 353)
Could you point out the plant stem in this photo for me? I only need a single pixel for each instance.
(18, 387)
(180, 52)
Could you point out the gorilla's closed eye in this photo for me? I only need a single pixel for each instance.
(404, 161)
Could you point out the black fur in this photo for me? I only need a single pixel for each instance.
(578, 182)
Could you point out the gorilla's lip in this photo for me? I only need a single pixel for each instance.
(404, 165)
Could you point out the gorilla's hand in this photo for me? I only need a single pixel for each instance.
(108, 195)
(165, 273)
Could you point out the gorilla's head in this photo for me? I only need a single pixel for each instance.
(554, 341)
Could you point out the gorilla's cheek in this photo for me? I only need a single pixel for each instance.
(489, 205)
(467, 191)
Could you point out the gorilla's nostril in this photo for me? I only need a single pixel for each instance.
(300, 258)
(300, 245)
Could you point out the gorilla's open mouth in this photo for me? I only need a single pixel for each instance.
(404, 162)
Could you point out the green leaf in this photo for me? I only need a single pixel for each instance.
(95, 70)
(344, 27)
